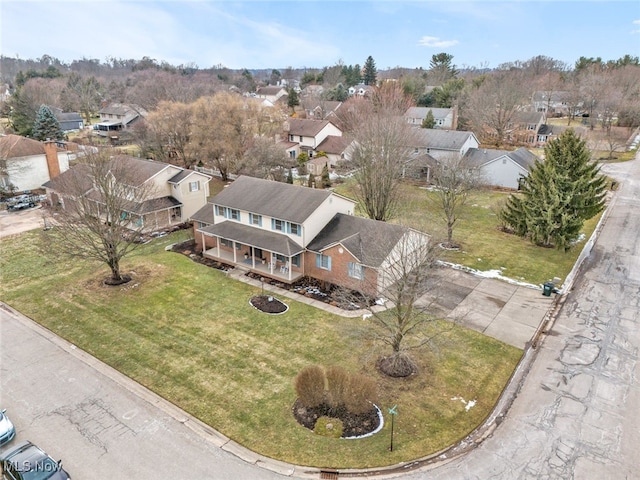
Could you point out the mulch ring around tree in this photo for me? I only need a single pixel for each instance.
(354, 425)
(268, 304)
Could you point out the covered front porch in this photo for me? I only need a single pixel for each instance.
(275, 269)
(259, 251)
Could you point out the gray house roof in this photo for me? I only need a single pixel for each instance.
(370, 241)
(69, 121)
(441, 139)
(270, 198)
(479, 157)
(421, 112)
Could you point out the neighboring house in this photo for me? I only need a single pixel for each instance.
(361, 90)
(320, 109)
(172, 194)
(118, 116)
(552, 103)
(547, 133)
(26, 163)
(442, 143)
(446, 118)
(271, 93)
(337, 149)
(69, 121)
(501, 168)
(524, 127)
(309, 134)
(287, 232)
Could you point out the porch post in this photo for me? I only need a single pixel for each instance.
(218, 246)
(204, 245)
(289, 270)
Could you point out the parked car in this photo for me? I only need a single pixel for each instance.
(7, 430)
(20, 206)
(28, 462)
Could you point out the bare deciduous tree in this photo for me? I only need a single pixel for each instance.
(491, 108)
(454, 178)
(382, 146)
(171, 125)
(96, 212)
(407, 324)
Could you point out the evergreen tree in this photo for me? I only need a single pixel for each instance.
(370, 72)
(429, 121)
(325, 179)
(312, 180)
(290, 176)
(558, 195)
(293, 100)
(46, 125)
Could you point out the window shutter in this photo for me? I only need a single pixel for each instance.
(318, 260)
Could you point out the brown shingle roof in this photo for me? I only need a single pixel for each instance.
(306, 127)
(15, 146)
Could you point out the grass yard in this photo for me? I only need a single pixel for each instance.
(188, 333)
(483, 246)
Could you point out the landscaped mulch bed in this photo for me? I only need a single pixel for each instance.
(353, 425)
(268, 304)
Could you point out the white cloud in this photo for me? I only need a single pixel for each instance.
(636, 22)
(436, 42)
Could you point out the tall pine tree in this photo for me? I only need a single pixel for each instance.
(370, 73)
(46, 126)
(558, 195)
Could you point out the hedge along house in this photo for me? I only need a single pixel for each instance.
(287, 232)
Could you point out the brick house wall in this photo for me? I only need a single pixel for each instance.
(339, 273)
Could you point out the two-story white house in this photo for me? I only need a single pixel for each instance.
(308, 134)
(171, 194)
(288, 231)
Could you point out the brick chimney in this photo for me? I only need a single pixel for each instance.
(51, 152)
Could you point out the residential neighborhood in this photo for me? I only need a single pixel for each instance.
(256, 264)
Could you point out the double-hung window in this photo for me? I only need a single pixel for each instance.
(356, 270)
(323, 261)
(255, 219)
(194, 186)
(278, 225)
(295, 229)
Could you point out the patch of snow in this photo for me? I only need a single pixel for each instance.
(366, 315)
(497, 274)
(467, 405)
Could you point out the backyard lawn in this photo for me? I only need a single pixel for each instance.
(187, 332)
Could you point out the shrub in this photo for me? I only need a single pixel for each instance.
(338, 383)
(310, 386)
(328, 427)
(362, 392)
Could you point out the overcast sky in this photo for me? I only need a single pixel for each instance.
(271, 34)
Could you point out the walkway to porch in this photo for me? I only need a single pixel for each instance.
(276, 271)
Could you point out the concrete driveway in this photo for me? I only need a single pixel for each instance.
(508, 312)
(12, 223)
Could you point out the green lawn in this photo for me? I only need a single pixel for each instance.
(188, 333)
(484, 246)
